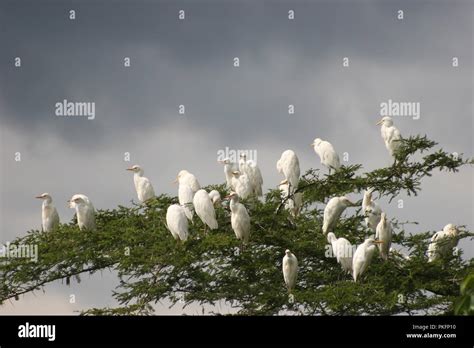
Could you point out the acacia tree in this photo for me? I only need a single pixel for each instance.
(209, 268)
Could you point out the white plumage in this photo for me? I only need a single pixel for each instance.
(85, 211)
(239, 218)
(326, 153)
(185, 198)
(215, 197)
(242, 185)
(205, 209)
(290, 270)
(251, 169)
(229, 168)
(292, 204)
(177, 222)
(384, 234)
(443, 242)
(143, 185)
(390, 135)
(371, 211)
(186, 178)
(49, 214)
(342, 249)
(289, 166)
(363, 257)
(333, 211)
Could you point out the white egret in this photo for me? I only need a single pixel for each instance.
(205, 209)
(229, 168)
(215, 197)
(443, 242)
(185, 198)
(251, 169)
(371, 210)
(384, 234)
(289, 166)
(342, 250)
(143, 185)
(290, 270)
(177, 222)
(85, 211)
(390, 135)
(363, 257)
(326, 153)
(186, 178)
(49, 214)
(333, 211)
(239, 219)
(242, 184)
(293, 203)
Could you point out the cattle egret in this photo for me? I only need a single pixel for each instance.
(143, 186)
(49, 214)
(342, 250)
(239, 219)
(177, 222)
(251, 169)
(363, 257)
(205, 209)
(326, 153)
(215, 197)
(186, 178)
(229, 168)
(290, 270)
(84, 211)
(294, 202)
(384, 234)
(242, 184)
(289, 166)
(371, 211)
(443, 242)
(390, 135)
(333, 211)
(185, 198)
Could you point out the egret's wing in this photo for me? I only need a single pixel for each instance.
(205, 209)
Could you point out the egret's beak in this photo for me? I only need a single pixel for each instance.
(175, 181)
(38, 197)
(312, 144)
(379, 122)
(221, 162)
(129, 169)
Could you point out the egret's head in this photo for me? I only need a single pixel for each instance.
(316, 142)
(451, 229)
(386, 121)
(383, 216)
(368, 194)
(181, 174)
(232, 195)
(346, 201)
(243, 156)
(236, 173)
(215, 197)
(288, 252)
(136, 169)
(45, 196)
(372, 241)
(77, 200)
(331, 237)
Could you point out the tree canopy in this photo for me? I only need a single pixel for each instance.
(209, 267)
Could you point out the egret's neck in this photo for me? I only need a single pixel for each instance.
(47, 203)
(138, 174)
(233, 203)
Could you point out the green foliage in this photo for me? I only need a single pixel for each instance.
(209, 268)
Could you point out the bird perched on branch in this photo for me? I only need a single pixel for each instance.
(240, 219)
(333, 211)
(49, 214)
(342, 250)
(205, 209)
(371, 210)
(289, 166)
(143, 185)
(293, 202)
(229, 168)
(327, 154)
(186, 178)
(177, 222)
(384, 234)
(443, 242)
(251, 169)
(242, 185)
(290, 270)
(85, 211)
(363, 257)
(390, 135)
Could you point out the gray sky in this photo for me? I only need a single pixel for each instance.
(190, 62)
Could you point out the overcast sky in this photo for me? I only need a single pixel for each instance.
(190, 62)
